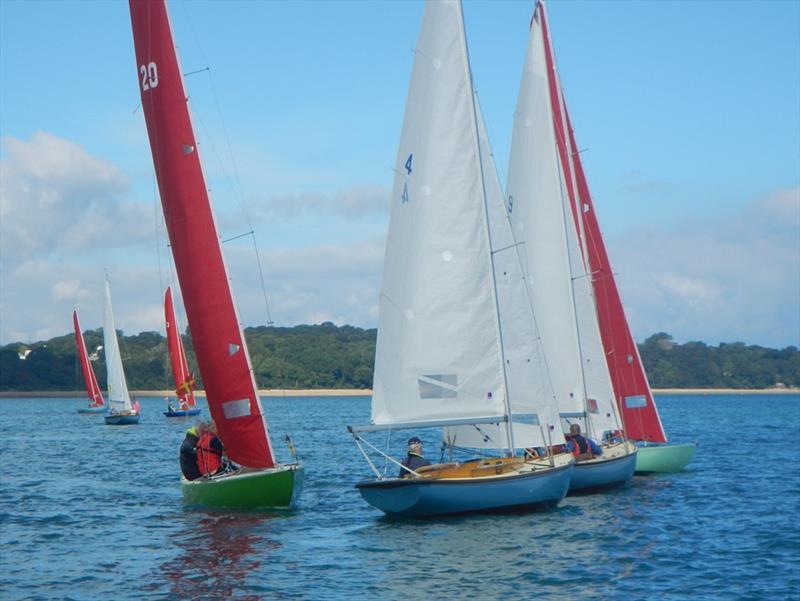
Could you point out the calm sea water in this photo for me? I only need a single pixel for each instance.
(89, 511)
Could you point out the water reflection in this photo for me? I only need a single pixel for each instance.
(218, 555)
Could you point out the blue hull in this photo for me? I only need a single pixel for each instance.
(602, 474)
(186, 413)
(100, 409)
(418, 498)
(121, 420)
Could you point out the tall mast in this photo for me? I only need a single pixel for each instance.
(506, 400)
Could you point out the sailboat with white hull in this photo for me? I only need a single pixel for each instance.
(219, 344)
(121, 411)
(452, 295)
(540, 196)
(95, 397)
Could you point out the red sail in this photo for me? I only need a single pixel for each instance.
(631, 388)
(219, 343)
(92, 389)
(634, 397)
(184, 381)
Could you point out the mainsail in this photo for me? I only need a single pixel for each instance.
(89, 377)
(541, 192)
(438, 354)
(219, 343)
(634, 398)
(530, 390)
(119, 400)
(184, 381)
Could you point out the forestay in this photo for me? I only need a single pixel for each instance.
(119, 399)
(438, 351)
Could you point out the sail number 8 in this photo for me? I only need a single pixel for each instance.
(149, 76)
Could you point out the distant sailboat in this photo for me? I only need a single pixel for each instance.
(121, 411)
(451, 293)
(184, 381)
(540, 192)
(218, 341)
(96, 403)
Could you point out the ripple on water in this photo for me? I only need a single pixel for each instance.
(110, 523)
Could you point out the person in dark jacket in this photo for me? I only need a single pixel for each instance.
(189, 467)
(414, 460)
(580, 446)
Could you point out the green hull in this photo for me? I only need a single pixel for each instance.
(275, 488)
(666, 458)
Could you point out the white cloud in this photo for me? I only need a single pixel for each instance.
(332, 282)
(735, 278)
(57, 198)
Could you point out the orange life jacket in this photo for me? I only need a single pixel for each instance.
(576, 447)
(209, 459)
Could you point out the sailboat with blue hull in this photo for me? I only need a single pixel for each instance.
(121, 411)
(541, 201)
(184, 381)
(457, 347)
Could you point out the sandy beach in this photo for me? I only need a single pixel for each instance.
(277, 392)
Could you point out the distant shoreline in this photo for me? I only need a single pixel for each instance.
(337, 392)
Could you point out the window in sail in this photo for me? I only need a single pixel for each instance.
(636, 402)
(438, 386)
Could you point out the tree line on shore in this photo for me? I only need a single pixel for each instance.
(330, 356)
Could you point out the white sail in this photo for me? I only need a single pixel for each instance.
(438, 353)
(541, 214)
(599, 406)
(529, 388)
(535, 192)
(118, 397)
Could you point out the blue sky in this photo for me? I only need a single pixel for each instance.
(689, 113)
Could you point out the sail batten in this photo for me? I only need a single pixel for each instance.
(200, 265)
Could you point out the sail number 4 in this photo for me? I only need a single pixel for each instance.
(404, 195)
(149, 74)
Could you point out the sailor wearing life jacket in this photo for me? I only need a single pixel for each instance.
(189, 454)
(209, 451)
(580, 446)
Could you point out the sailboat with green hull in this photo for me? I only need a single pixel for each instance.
(219, 344)
(633, 396)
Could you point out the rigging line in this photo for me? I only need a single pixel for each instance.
(158, 241)
(241, 196)
(243, 207)
(237, 237)
(196, 71)
(238, 194)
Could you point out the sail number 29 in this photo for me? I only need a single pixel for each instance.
(149, 74)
